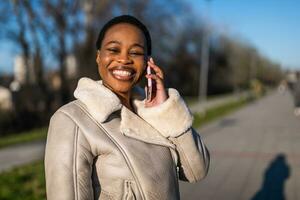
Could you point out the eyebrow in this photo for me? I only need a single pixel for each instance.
(113, 41)
(117, 42)
(139, 45)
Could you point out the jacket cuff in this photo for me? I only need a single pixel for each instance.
(171, 118)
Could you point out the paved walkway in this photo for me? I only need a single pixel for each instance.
(20, 154)
(255, 154)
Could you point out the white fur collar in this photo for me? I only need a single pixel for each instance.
(169, 119)
(135, 127)
(100, 101)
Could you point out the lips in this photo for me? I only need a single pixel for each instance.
(123, 73)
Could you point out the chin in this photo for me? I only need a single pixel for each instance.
(120, 86)
(122, 89)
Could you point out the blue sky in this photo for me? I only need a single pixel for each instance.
(7, 53)
(272, 26)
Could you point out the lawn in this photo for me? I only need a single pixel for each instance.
(29, 136)
(23, 183)
(201, 119)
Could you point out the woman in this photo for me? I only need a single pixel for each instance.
(111, 143)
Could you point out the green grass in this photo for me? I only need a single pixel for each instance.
(23, 183)
(201, 119)
(33, 135)
(194, 100)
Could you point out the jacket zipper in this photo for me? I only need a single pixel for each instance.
(127, 161)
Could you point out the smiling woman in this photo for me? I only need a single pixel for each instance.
(111, 142)
(121, 59)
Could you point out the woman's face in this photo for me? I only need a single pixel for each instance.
(122, 57)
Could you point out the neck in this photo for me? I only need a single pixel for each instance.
(124, 97)
(125, 100)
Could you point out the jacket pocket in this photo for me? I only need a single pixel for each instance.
(128, 191)
(105, 196)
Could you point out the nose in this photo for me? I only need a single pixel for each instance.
(124, 59)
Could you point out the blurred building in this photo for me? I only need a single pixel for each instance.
(5, 99)
(71, 66)
(292, 77)
(22, 74)
(19, 70)
(53, 76)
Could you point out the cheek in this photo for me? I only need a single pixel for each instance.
(141, 70)
(102, 66)
(104, 62)
(141, 65)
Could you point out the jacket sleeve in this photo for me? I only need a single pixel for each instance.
(193, 156)
(68, 162)
(174, 121)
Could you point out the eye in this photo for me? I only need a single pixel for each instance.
(136, 53)
(113, 50)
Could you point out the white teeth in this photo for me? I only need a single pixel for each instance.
(121, 73)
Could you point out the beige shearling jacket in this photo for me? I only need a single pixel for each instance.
(98, 149)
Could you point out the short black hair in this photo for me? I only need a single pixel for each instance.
(125, 19)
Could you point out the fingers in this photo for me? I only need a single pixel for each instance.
(156, 69)
(153, 76)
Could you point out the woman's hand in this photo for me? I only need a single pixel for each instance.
(159, 94)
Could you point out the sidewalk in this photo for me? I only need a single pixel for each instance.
(255, 154)
(21, 154)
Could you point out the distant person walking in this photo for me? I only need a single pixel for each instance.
(296, 93)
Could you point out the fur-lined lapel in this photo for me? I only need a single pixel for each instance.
(135, 127)
(102, 102)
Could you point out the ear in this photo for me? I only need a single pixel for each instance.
(98, 57)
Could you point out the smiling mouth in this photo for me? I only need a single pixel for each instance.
(123, 74)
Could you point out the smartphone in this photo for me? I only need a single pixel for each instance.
(149, 85)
